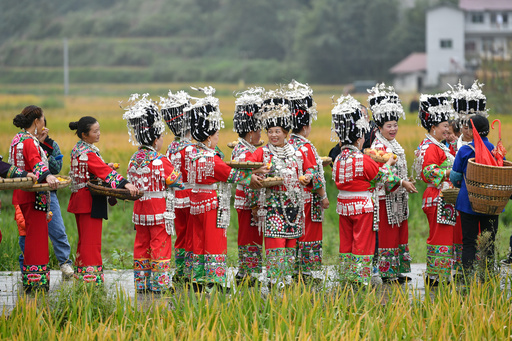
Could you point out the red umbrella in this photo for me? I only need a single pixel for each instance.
(499, 151)
(482, 154)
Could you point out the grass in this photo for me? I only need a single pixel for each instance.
(102, 102)
(297, 312)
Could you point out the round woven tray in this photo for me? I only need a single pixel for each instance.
(244, 164)
(232, 144)
(450, 195)
(326, 160)
(489, 187)
(272, 181)
(119, 193)
(63, 183)
(376, 158)
(15, 183)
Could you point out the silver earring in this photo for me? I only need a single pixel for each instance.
(209, 143)
(250, 139)
(35, 131)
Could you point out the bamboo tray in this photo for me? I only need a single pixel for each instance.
(245, 164)
(450, 195)
(119, 193)
(326, 160)
(272, 181)
(64, 181)
(232, 144)
(15, 183)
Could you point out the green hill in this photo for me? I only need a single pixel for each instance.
(324, 41)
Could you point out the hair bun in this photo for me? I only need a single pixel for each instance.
(73, 125)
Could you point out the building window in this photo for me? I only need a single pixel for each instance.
(470, 46)
(446, 43)
(499, 19)
(477, 18)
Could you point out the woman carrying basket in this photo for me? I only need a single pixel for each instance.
(87, 164)
(356, 176)
(27, 154)
(153, 213)
(210, 196)
(393, 246)
(247, 124)
(473, 224)
(281, 207)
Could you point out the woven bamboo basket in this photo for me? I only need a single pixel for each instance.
(64, 181)
(244, 164)
(15, 183)
(272, 181)
(232, 144)
(326, 160)
(489, 187)
(450, 195)
(119, 193)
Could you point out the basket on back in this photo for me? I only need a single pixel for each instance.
(489, 187)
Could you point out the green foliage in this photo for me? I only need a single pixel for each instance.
(327, 41)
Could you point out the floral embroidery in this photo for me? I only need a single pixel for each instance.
(405, 258)
(179, 260)
(36, 276)
(160, 275)
(439, 260)
(280, 263)
(309, 256)
(142, 273)
(209, 269)
(249, 259)
(14, 172)
(90, 274)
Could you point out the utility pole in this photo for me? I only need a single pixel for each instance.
(66, 68)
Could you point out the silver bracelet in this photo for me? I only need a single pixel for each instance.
(323, 196)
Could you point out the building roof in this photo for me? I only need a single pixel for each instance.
(485, 5)
(416, 61)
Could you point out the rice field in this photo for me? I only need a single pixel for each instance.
(477, 311)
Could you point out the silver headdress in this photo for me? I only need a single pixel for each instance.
(348, 121)
(144, 120)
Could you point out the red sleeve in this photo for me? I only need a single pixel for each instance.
(433, 156)
(257, 156)
(31, 155)
(222, 170)
(100, 169)
(310, 155)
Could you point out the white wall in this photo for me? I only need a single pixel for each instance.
(408, 82)
(444, 23)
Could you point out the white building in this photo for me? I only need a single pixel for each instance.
(458, 39)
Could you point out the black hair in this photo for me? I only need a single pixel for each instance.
(83, 126)
(27, 116)
(481, 124)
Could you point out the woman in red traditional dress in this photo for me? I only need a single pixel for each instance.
(153, 213)
(27, 155)
(281, 208)
(177, 116)
(433, 165)
(247, 124)
(356, 176)
(210, 197)
(394, 259)
(90, 210)
(309, 245)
